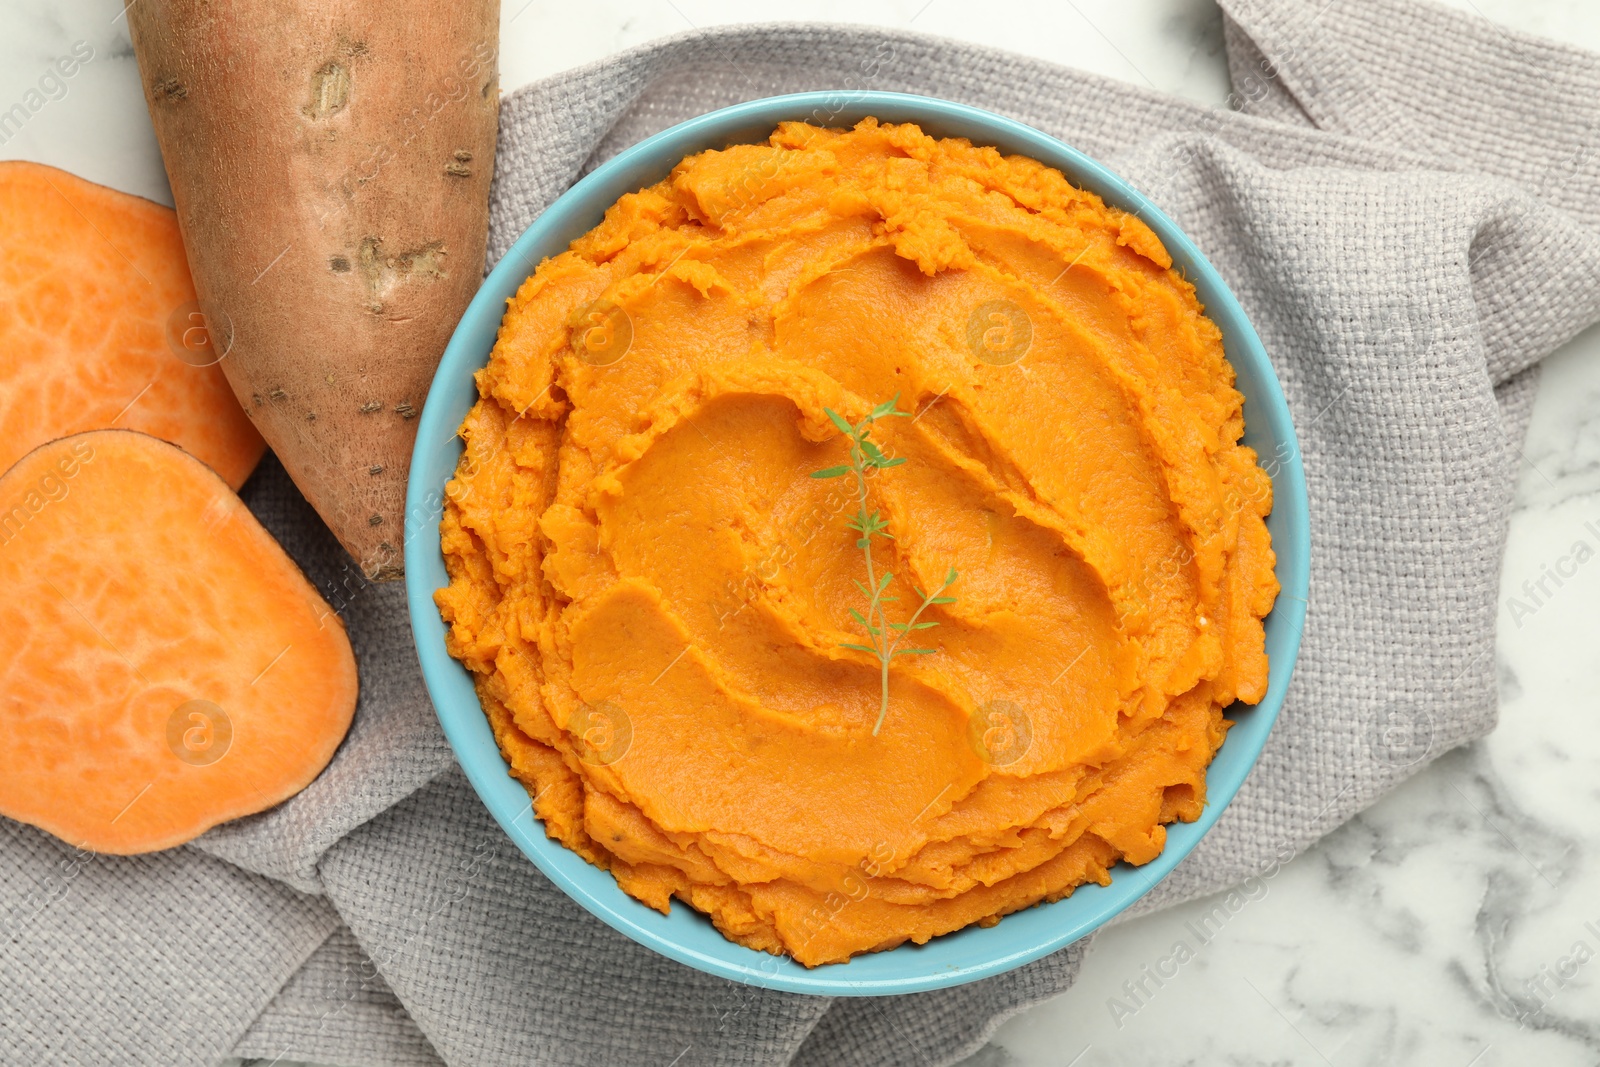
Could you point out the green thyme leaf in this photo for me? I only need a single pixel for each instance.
(865, 456)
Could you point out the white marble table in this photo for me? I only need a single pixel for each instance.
(1457, 922)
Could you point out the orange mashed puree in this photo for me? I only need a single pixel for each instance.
(653, 594)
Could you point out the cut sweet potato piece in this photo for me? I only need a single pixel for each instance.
(100, 328)
(164, 665)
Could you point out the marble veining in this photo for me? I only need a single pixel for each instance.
(1456, 922)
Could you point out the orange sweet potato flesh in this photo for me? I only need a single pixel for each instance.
(164, 666)
(99, 325)
(330, 164)
(655, 594)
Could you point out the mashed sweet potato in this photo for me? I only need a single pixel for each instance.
(654, 595)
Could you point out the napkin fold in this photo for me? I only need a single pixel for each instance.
(1406, 200)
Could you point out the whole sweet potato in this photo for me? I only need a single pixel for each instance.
(330, 164)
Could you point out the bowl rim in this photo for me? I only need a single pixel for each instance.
(910, 968)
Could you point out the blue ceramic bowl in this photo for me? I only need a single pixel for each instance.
(685, 935)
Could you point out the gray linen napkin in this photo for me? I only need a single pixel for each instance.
(1408, 208)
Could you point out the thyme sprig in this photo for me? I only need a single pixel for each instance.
(885, 636)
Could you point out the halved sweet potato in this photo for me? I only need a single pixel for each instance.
(164, 665)
(99, 326)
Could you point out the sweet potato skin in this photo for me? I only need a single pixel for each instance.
(330, 164)
(99, 326)
(164, 665)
